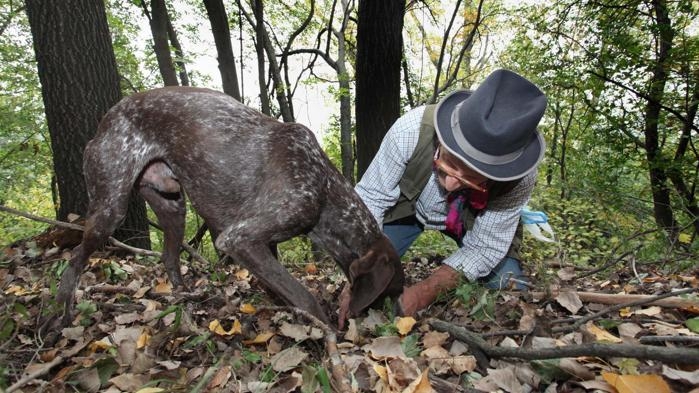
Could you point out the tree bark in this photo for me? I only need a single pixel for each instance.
(161, 45)
(218, 18)
(378, 71)
(258, 12)
(79, 83)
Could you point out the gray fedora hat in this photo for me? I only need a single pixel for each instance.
(493, 129)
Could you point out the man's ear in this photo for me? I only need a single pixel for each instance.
(370, 275)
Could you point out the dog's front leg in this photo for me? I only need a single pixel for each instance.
(257, 257)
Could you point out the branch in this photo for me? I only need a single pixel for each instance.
(112, 240)
(642, 352)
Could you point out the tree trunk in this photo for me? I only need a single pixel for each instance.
(179, 52)
(662, 209)
(218, 18)
(161, 43)
(258, 12)
(378, 70)
(79, 83)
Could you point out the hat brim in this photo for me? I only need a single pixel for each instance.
(531, 155)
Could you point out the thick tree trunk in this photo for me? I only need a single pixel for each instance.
(378, 70)
(79, 83)
(218, 18)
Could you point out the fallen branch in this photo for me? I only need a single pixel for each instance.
(641, 352)
(337, 366)
(669, 300)
(115, 242)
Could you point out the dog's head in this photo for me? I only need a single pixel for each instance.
(376, 274)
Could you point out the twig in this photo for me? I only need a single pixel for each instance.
(117, 243)
(37, 373)
(645, 300)
(671, 339)
(642, 352)
(336, 364)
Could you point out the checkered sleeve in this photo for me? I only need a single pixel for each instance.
(491, 236)
(378, 187)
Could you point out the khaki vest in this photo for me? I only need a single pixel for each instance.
(418, 172)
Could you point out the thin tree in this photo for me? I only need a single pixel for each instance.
(216, 11)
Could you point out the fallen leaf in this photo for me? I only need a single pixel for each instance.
(433, 338)
(570, 301)
(311, 268)
(420, 385)
(215, 326)
(163, 287)
(438, 358)
(129, 382)
(650, 311)
(288, 359)
(242, 274)
(566, 274)
(691, 378)
(382, 348)
(150, 390)
(405, 325)
(259, 339)
(463, 364)
(646, 383)
(247, 308)
(295, 331)
(601, 334)
(220, 378)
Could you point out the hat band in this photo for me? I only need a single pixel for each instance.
(471, 151)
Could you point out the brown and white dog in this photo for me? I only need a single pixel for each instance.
(254, 180)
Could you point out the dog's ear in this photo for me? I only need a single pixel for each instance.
(375, 274)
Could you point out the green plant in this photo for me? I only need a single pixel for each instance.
(478, 298)
(86, 310)
(411, 345)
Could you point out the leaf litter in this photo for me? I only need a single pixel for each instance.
(133, 334)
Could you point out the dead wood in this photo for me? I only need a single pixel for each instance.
(642, 352)
(670, 300)
(115, 242)
(636, 300)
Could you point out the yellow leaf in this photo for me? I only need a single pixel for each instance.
(625, 312)
(685, 238)
(381, 372)
(421, 384)
(259, 339)
(242, 274)
(646, 383)
(601, 334)
(405, 325)
(143, 340)
(163, 287)
(247, 308)
(97, 345)
(215, 326)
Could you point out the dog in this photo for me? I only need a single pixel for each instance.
(254, 180)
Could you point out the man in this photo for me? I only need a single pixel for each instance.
(465, 167)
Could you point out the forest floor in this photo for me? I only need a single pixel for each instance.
(133, 334)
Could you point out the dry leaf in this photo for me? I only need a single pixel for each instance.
(247, 308)
(382, 348)
(259, 339)
(421, 384)
(288, 359)
(242, 274)
(463, 364)
(434, 338)
(215, 326)
(220, 378)
(570, 301)
(438, 358)
(691, 378)
(566, 274)
(352, 333)
(163, 287)
(405, 325)
(143, 340)
(311, 268)
(601, 334)
(647, 383)
(130, 382)
(295, 331)
(650, 311)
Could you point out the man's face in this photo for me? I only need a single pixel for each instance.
(454, 175)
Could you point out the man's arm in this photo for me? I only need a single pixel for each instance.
(379, 188)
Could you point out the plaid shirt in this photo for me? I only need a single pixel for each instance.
(486, 244)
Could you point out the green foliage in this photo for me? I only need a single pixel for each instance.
(86, 310)
(411, 345)
(478, 298)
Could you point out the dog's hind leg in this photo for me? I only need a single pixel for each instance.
(171, 217)
(102, 220)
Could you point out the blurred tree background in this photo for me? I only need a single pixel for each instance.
(619, 180)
